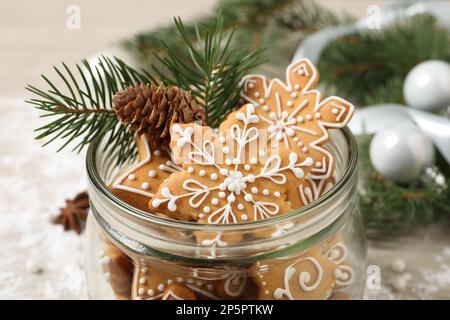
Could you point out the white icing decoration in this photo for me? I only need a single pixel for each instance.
(105, 260)
(304, 278)
(152, 173)
(233, 182)
(213, 244)
(278, 126)
(118, 184)
(315, 189)
(346, 275)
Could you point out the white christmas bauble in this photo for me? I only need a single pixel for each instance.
(401, 153)
(427, 85)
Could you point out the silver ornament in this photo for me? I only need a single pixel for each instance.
(401, 153)
(427, 85)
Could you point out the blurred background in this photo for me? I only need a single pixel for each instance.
(394, 65)
(34, 35)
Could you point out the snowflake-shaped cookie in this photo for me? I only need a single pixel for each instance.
(297, 118)
(227, 177)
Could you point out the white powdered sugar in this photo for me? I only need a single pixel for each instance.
(38, 259)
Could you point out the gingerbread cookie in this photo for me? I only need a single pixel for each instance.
(118, 270)
(177, 291)
(137, 185)
(309, 276)
(227, 177)
(298, 119)
(339, 295)
(152, 283)
(335, 251)
(314, 274)
(312, 189)
(230, 281)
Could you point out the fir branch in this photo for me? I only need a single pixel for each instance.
(80, 107)
(213, 71)
(309, 16)
(253, 18)
(371, 65)
(387, 206)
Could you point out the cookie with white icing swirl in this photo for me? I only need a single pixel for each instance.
(309, 276)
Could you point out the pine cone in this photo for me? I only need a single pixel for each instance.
(151, 109)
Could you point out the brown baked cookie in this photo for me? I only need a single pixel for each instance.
(151, 282)
(339, 295)
(335, 251)
(312, 189)
(228, 176)
(309, 276)
(223, 181)
(118, 271)
(298, 120)
(178, 291)
(137, 185)
(230, 281)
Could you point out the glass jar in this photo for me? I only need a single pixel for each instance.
(316, 252)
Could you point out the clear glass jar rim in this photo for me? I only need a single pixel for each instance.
(100, 186)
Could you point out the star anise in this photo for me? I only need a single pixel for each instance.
(73, 215)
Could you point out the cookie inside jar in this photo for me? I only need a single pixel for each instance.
(261, 207)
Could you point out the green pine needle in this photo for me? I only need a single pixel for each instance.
(371, 66)
(214, 68)
(387, 206)
(80, 110)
